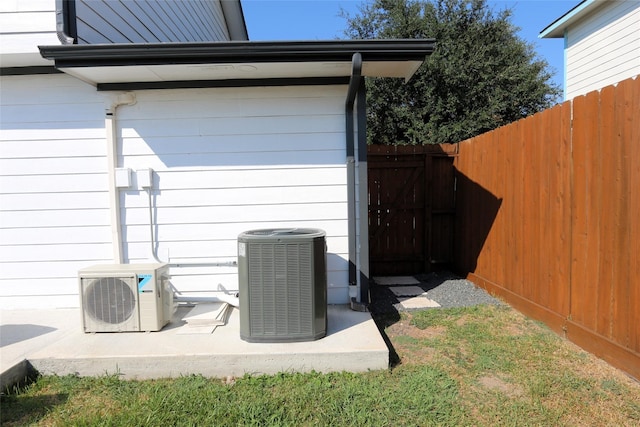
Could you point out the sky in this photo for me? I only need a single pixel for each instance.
(321, 20)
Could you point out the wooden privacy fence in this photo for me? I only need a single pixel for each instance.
(560, 238)
(411, 207)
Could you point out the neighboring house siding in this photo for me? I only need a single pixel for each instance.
(145, 21)
(224, 161)
(231, 160)
(54, 213)
(23, 26)
(603, 48)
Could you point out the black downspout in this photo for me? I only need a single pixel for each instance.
(354, 88)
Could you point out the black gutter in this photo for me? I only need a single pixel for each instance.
(235, 52)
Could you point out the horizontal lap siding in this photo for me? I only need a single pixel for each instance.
(603, 49)
(30, 21)
(54, 213)
(230, 160)
(225, 161)
(25, 24)
(144, 21)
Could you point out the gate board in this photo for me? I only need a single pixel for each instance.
(411, 206)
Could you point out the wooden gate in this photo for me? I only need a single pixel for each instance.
(411, 208)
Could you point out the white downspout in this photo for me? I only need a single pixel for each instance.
(110, 125)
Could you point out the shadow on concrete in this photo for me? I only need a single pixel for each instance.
(11, 334)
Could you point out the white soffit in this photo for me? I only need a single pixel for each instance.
(203, 72)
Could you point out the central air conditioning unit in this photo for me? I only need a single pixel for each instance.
(125, 297)
(282, 277)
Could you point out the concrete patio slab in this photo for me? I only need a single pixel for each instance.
(23, 332)
(52, 341)
(396, 280)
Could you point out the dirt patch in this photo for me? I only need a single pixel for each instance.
(404, 328)
(492, 382)
(515, 329)
(411, 343)
(462, 320)
(587, 365)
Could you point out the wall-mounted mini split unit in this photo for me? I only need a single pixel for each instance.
(125, 297)
(283, 285)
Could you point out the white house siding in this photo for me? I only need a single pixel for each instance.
(603, 48)
(54, 213)
(25, 24)
(148, 21)
(224, 161)
(231, 160)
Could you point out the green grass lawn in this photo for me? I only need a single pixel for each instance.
(483, 366)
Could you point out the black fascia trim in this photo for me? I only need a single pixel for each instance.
(197, 84)
(68, 56)
(28, 71)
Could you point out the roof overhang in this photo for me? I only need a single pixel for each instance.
(117, 64)
(557, 28)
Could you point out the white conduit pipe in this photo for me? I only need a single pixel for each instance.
(229, 299)
(223, 295)
(154, 249)
(111, 130)
(152, 239)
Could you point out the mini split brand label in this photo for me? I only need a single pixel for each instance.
(144, 283)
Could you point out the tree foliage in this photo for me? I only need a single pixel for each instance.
(481, 75)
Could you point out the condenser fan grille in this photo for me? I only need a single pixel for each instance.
(110, 299)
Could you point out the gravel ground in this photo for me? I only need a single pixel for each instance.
(443, 287)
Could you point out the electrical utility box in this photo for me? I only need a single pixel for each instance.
(283, 285)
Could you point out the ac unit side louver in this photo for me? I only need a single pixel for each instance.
(283, 285)
(125, 297)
